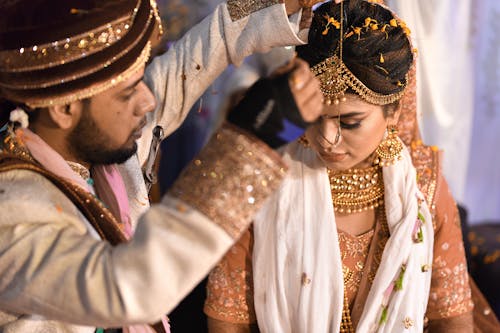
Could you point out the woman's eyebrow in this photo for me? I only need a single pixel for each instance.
(351, 114)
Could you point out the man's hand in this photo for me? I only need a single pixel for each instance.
(304, 87)
(279, 108)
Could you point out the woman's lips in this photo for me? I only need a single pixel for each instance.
(333, 157)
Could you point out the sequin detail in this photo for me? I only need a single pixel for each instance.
(230, 179)
(239, 9)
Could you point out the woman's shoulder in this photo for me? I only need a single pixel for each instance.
(427, 162)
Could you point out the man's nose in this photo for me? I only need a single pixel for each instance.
(146, 102)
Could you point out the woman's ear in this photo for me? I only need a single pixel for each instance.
(66, 116)
(393, 113)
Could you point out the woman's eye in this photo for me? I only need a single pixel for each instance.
(349, 126)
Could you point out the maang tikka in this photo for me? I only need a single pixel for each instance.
(334, 76)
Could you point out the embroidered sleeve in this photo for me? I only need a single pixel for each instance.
(450, 293)
(230, 285)
(230, 179)
(239, 9)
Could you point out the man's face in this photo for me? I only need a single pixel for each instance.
(111, 122)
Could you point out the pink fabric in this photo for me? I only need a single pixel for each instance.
(49, 158)
(110, 188)
(109, 185)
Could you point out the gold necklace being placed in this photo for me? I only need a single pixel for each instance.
(356, 190)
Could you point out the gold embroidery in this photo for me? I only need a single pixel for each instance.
(230, 179)
(239, 9)
(229, 293)
(69, 49)
(426, 162)
(408, 322)
(97, 88)
(354, 252)
(450, 292)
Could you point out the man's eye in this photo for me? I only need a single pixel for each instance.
(128, 96)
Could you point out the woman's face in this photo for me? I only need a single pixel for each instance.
(362, 126)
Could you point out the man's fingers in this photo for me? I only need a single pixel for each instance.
(308, 98)
(300, 74)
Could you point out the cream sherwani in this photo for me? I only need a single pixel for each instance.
(55, 276)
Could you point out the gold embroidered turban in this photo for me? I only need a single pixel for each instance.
(59, 51)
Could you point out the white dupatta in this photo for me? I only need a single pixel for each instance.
(297, 268)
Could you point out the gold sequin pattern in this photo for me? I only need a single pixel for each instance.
(97, 88)
(63, 51)
(230, 179)
(239, 9)
(69, 49)
(230, 293)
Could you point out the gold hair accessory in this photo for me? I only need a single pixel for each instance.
(389, 150)
(335, 78)
(356, 190)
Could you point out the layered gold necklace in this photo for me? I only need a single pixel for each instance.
(356, 190)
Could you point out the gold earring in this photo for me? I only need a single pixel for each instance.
(389, 150)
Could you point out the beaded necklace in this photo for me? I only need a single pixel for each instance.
(356, 190)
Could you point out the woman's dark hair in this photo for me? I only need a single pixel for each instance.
(5, 108)
(362, 54)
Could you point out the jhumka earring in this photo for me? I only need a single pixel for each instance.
(389, 150)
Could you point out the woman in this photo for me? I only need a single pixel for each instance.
(357, 238)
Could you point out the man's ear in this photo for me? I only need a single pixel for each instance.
(66, 116)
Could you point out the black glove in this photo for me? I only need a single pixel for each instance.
(268, 110)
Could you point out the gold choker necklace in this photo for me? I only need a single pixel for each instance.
(356, 190)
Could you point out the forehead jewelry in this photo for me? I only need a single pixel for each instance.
(335, 78)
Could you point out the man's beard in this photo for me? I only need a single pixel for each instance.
(90, 144)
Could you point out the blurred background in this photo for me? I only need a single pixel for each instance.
(458, 107)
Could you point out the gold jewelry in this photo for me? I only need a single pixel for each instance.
(335, 78)
(346, 323)
(79, 169)
(389, 150)
(356, 190)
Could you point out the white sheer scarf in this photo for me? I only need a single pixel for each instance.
(298, 281)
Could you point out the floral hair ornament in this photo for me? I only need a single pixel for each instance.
(13, 142)
(18, 117)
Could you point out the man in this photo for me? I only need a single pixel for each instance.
(71, 187)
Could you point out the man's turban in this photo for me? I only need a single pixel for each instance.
(59, 51)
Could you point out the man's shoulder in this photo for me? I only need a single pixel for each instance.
(28, 195)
